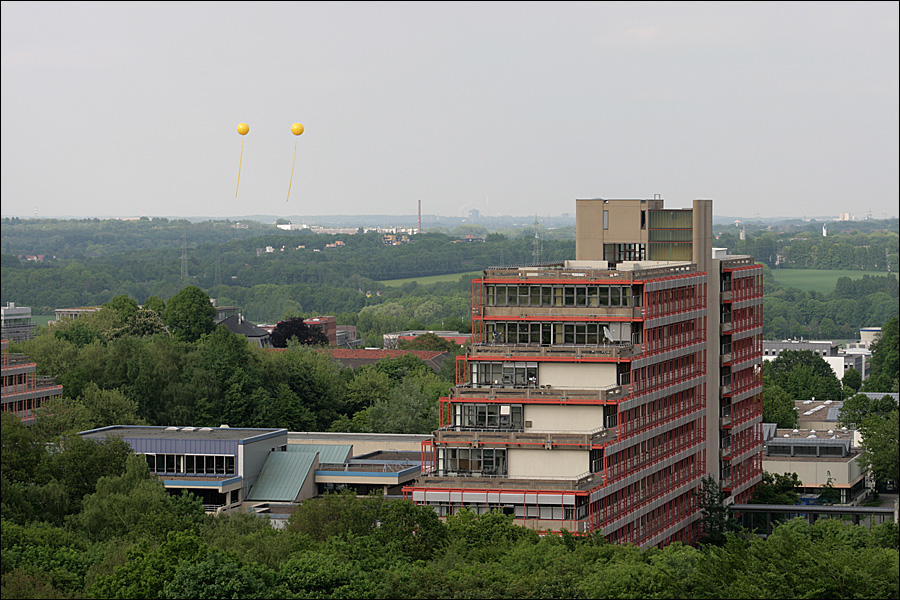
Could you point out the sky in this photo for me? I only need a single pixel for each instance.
(131, 109)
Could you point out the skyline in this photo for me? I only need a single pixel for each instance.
(771, 110)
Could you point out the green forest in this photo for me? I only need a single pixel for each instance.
(88, 262)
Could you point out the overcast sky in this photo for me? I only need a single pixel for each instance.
(130, 109)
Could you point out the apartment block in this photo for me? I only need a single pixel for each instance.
(599, 391)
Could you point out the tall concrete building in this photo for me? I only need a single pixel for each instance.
(22, 390)
(598, 392)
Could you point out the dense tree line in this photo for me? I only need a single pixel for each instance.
(865, 302)
(855, 246)
(87, 519)
(128, 365)
(95, 263)
(125, 537)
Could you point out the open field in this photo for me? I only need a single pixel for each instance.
(816, 280)
(430, 278)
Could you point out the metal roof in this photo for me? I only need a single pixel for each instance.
(282, 476)
(334, 454)
(183, 433)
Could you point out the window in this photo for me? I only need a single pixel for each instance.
(473, 461)
(605, 219)
(190, 464)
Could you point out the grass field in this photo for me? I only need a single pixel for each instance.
(430, 279)
(815, 280)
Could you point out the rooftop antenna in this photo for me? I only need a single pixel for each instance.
(420, 217)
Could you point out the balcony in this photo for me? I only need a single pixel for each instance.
(572, 351)
(568, 440)
(537, 394)
(437, 479)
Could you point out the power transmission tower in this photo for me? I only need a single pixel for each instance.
(184, 257)
(218, 277)
(536, 248)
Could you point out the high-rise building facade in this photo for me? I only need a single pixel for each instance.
(598, 392)
(23, 391)
(16, 322)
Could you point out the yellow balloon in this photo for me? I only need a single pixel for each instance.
(243, 128)
(296, 128)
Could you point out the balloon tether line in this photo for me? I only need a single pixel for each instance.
(292, 173)
(240, 160)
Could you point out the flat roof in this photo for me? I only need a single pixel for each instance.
(328, 437)
(180, 433)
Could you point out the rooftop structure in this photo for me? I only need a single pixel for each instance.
(392, 340)
(218, 464)
(818, 457)
(16, 322)
(74, 313)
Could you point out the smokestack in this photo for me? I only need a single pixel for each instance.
(420, 216)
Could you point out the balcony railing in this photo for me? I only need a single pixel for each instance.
(603, 394)
(523, 438)
(622, 350)
(530, 482)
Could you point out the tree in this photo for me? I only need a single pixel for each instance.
(852, 381)
(220, 576)
(777, 488)
(885, 361)
(294, 328)
(144, 323)
(716, 521)
(336, 514)
(778, 407)
(803, 375)
(881, 436)
(136, 504)
(124, 306)
(857, 409)
(410, 408)
(367, 387)
(416, 531)
(189, 314)
(109, 407)
(155, 304)
(829, 493)
(429, 341)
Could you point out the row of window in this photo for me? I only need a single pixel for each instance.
(489, 416)
(559, 295)
(520, 373)
(519, 511)
(624, 252)
(191, 464)
(590, 334)
(472, 461)
(805, 450)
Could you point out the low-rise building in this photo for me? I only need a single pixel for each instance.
(74, 313)
(392, 340)
(818, 458)
(220, 465)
